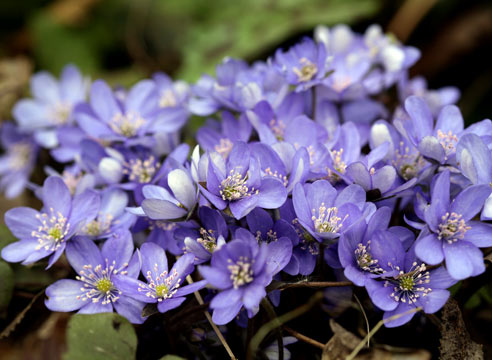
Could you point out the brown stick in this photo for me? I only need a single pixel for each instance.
(304, 338)
(315, 284)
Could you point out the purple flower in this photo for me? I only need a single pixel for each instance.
(111, 216)
(366, 250)
(163, 286)
(238, 184)
(436, 142)
(52, 104)
(237, 87)
(95, 290)
(131, 120)
(47, 232)
(303, 65)
(326, 213)
(241, 270)
(412, 286)
(453, 236)
(18, 162)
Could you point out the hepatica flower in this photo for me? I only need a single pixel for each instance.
(47, 232)
(304, 64)
(237, 183)
(412, 286)
(52, 104)
(324, 212)
(454, 236)
(94, 290)
(242, 269)
(366, 250)
(163, 286)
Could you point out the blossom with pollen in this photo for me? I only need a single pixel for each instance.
(241, 269)
(238, 183)
(94, 289)
(165, 287)
(47, 232)
(409, 286)
(324, 212)
(452, 236)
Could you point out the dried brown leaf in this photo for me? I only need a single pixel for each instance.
(456, 343)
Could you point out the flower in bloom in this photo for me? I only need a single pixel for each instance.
(131, 121)
(304, 64)
(111, 216)
(47, 232)
(324, 212)
(163, 286)
(410, 287)
(94, 290)
(453, 235)
(51, 106)
(17, 163)
(437, 142)
(238, 184)
(366, 250)
(241, 270)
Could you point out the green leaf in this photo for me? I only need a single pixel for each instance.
(171, 357)
(6, 236)
(100, 337)
(6, 285)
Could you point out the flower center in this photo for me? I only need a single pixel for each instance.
(338, 164)
(407, 163)
(141, 171)
(448, 142)
(128, 124)
(278, 128)
(52, 231)
(407, 283)
(97, 282)
(18, 156)
(365, 260)
(340, 83)
(104, 285)
(307, 72)
(241, 272)
(283, 178)
(224, 147)
(161, 290)
(168, 99)
(327, 220)
(452, 228)
(162, 286)
(207, 240)
(61, 113)
(407, 287)
(99, 226)
(234, 187)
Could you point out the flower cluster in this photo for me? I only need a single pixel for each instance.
(299, 165)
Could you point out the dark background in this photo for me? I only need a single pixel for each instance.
(124, 41)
